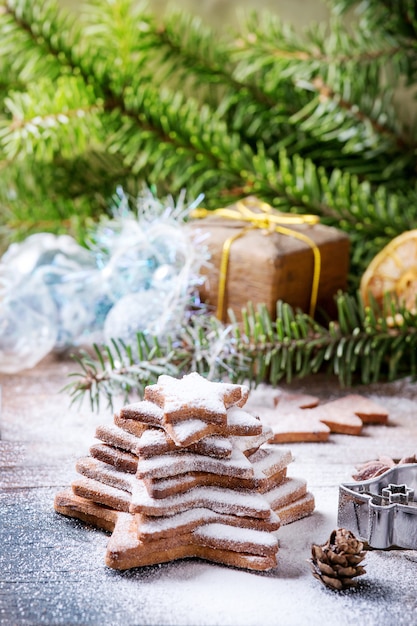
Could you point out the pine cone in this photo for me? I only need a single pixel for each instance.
(336, 563)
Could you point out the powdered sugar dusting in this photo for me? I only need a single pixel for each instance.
(238, 418)
(270, 459)
(53, 570)
(143, 410)
(92, 468)
(155, 525)
(236, 536)
(171, 464)
(227, 501)
(179, 397)
(250, 442)
(188, 431)
(288, 491)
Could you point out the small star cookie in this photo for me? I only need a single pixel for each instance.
(370, 412)
(297, 425)
(340, 419)
(300, 417)
(194, 397)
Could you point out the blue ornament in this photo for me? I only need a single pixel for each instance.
(136, 275)
(142, 312)
(46, 249)
(129, 270)
(76, 295)
(28, 323)
(69, 274)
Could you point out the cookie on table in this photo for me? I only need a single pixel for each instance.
(187, 472)
(219, 543)
(367, 410)
(340, 419)
(300, 417)
(287, 402)
(297, 425)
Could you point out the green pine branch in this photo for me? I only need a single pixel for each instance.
(348, 118)
(365, 344)
(307, 123)
(205, 345)
(397, 19)
(284, 89)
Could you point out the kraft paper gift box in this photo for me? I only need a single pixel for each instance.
(266, 257)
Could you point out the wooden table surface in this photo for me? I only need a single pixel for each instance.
(52, 568)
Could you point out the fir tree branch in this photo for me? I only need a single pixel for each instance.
(300, 155)
(364, 345)
(29, 29)
(187, 49)
(63, 122)
(118, 369)
(326, 93)
(349, 144)
(330, 64)
(397, 18)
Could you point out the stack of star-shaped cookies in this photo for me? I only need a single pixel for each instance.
(187, 472)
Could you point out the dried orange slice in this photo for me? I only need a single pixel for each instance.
(393, 271)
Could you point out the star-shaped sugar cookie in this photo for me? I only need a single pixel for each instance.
(291, 420)
(297, 425)
(300, 417)
(195, 397)
(367, 410)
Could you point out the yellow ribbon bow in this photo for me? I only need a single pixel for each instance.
(265, 219)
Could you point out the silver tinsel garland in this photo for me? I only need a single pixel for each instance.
(138, 273)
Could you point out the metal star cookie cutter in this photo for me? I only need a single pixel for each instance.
(382, 511)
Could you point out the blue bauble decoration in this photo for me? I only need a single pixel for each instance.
(46, 249)
(69, 273)
(78, 295)
(135, 276)
(28, 323)
(138, 312)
